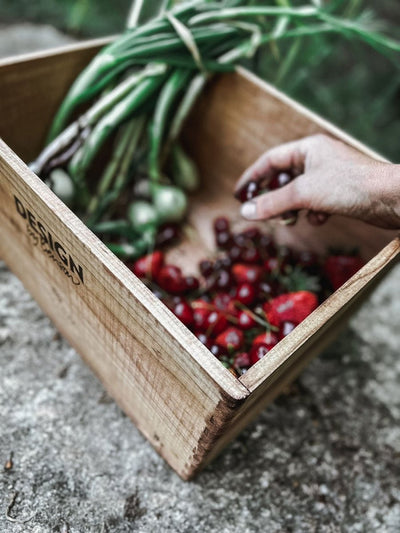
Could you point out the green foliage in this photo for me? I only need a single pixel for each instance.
(339, 77)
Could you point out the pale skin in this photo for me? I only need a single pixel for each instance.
(332, 178)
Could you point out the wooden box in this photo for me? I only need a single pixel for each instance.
(182, 399)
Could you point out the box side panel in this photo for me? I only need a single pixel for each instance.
(157, 371)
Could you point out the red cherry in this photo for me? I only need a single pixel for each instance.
(252, 233)
(257, 352)
(216, 350)
(246, 293)
(221, 224)
(149, 265)
(170, 279)
(192, 283)
(184, 312)
(203, 338)
(245, 320)
(242, 360)
(166, 234)
(206, 268)
(280, 180)
(268, 339)
(286, 328)
(234, 252)
(223, 239)
(216, 322)
(230, 339)
(247, 273)
(250, 255)
(266, 246)
(248, 192)
(274, 265)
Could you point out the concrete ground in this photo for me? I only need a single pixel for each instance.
(324, 458)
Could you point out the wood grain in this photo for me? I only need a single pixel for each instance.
(183, 400)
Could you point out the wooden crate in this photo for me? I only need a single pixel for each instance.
(182, 399)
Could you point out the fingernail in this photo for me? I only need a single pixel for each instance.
(249, 210)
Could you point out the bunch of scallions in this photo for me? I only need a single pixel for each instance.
(137, 93)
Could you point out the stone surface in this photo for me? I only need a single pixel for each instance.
(323, 458)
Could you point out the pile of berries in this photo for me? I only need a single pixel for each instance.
(250, 296)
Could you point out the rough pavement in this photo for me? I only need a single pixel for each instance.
(324, 458)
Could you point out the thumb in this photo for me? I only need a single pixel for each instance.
(272, 204)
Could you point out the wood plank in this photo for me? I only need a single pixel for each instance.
(171, 386)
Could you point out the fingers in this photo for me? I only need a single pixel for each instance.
(283, 157)
(272, 204)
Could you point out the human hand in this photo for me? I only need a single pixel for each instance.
(332, 178)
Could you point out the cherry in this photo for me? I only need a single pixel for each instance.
(166, 234)
(248, 192)
(192, 283)
(268, 339)
(230, 339)
(223, 280)
(266, 246)
(221, 224)
(216, 350)
(184, 312)
(280, 180)
(170, 279)
(203, 338)
(250, 255)
(257, 352)
(252, 233)
(223, 239)
(247, 273)
(223, 263)
(286, 328)
(149, 265)
(234, 252)
(242, 360)
(268, 289)
(245, 320)
(206, 268)
(245, 293)
(216, 323)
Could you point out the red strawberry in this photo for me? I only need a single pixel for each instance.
(148, 266)
(268, 338)
(245, 320)
(291, 307)
(340, 268)
(230, 339)
(170, 279)
(247, 273)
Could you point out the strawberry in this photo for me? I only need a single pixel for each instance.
(149, 265)
(339, 268)
(292, 307)
(268, 338)
(247, 273)
(230, 339)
